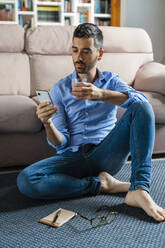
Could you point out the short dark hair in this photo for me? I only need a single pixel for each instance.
(89, 30)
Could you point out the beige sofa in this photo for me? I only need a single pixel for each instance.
(39, 58)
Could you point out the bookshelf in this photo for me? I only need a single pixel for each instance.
(31, 13)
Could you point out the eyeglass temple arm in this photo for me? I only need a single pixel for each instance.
(84, 217)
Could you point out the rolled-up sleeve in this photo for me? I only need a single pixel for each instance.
(59, 119)
(133, 95)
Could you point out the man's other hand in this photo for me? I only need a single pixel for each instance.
(87, 91)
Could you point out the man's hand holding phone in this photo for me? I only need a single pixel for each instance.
(45, 111)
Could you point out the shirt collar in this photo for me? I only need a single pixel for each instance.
(101, 75)
(100, 78)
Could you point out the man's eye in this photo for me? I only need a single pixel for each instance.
(74, 51)
(85, 52)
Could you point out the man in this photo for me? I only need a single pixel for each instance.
(91, 147)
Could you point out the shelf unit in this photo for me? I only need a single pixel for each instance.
(63, 12)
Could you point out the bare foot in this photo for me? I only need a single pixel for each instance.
(110, 184)
(141, 198)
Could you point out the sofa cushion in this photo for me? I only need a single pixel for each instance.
(47, 70)
(18, 114)
(126, 40)
(49, 40)
(14, 74)
(125, 50)
(124, 64)
(151, 77)
(12, 38)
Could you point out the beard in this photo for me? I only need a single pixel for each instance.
(84, 68)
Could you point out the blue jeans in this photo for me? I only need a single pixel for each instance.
(75, 174)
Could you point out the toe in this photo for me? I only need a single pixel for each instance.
(158, 215)
(161, 212)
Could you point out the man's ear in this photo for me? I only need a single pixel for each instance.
(100, 54)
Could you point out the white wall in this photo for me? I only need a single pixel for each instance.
(149, 15)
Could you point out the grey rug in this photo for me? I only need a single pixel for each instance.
(19, 216)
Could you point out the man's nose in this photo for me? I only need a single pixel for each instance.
(79, 56)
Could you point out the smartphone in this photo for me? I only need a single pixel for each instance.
(44, 96)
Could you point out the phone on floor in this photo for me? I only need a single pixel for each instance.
(44, 96)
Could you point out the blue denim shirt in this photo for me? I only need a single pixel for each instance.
(85, 121)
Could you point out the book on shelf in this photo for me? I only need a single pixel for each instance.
(67, 6)
(102, 22)
(97, 6)
(85, 1)
(25, 5)
(48, 13)
(102, 6)
(6, 12)
(20, 20)
(84, 16)
(48, 8)
(19, 4)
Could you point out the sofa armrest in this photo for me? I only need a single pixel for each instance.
(151, 77)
